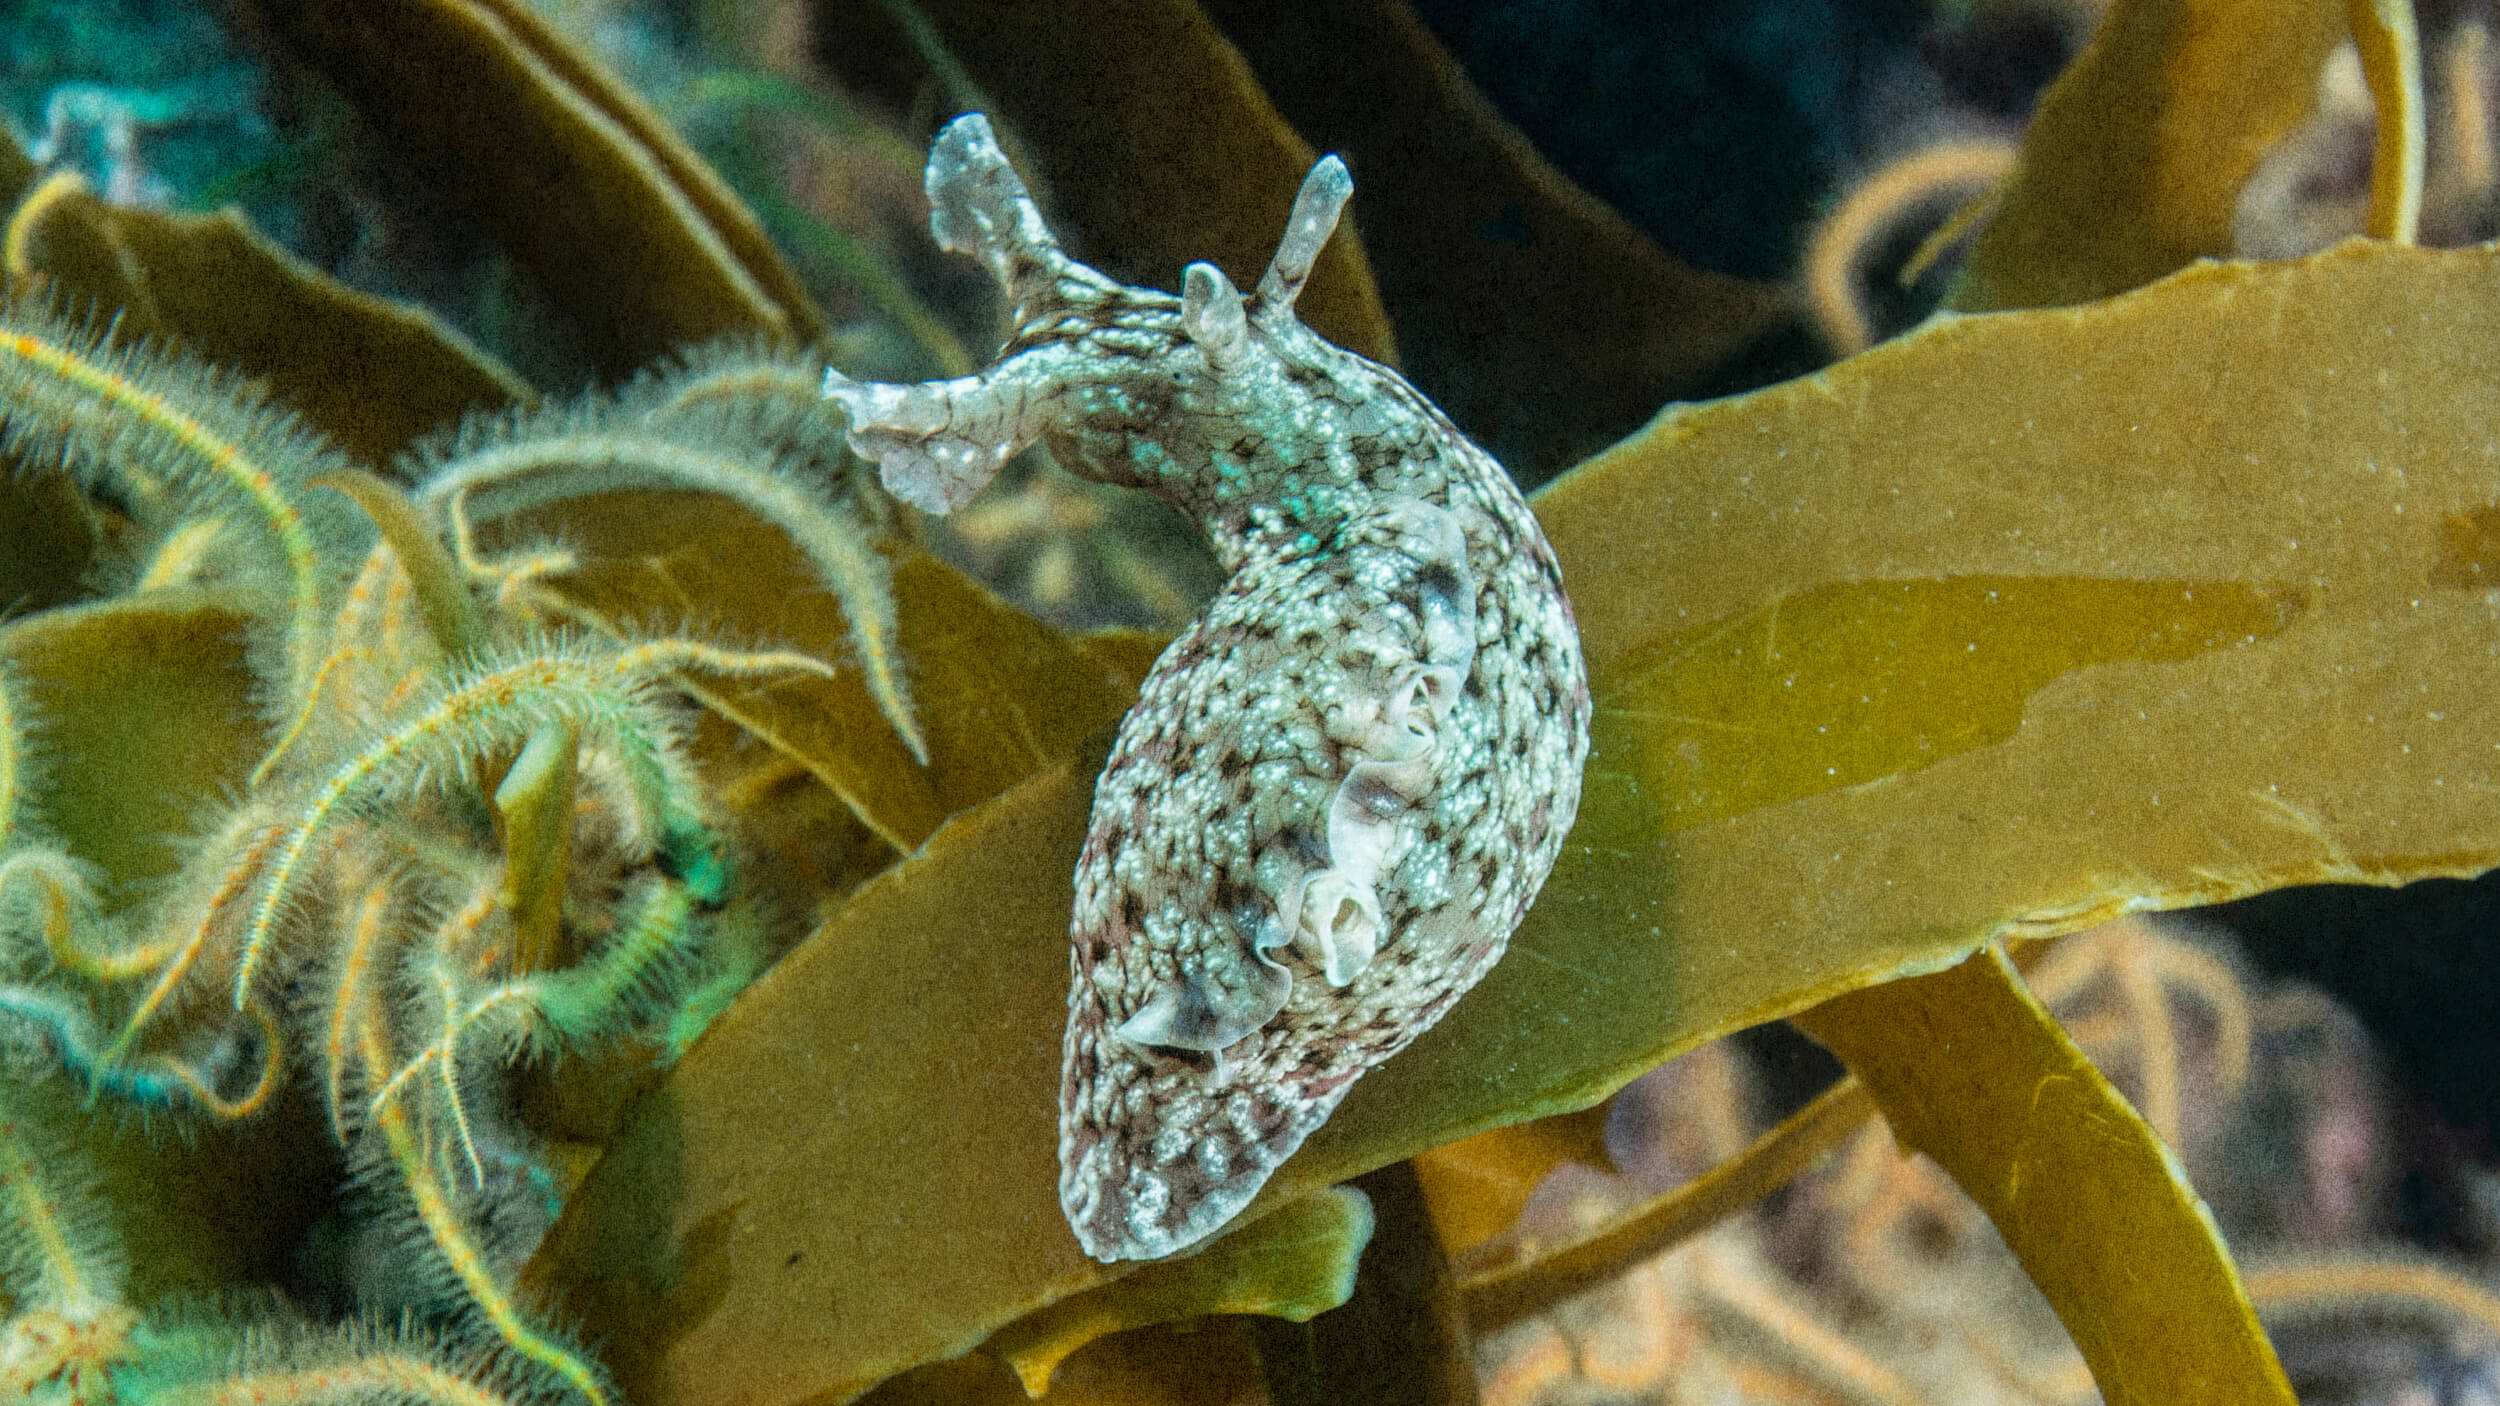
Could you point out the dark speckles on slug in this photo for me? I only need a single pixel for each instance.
(1307, 842)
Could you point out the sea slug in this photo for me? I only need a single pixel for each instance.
(1342, 785)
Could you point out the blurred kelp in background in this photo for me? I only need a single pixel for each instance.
(524, 875)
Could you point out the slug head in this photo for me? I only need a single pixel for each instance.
(1130, 385)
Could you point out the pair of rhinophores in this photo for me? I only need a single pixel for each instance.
(1342, 785)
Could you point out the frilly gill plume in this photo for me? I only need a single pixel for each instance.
(1343, 784)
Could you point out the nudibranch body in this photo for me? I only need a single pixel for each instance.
(1342, 786)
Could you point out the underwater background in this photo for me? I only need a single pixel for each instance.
(524, 875)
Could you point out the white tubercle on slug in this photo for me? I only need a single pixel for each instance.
(1343, 784)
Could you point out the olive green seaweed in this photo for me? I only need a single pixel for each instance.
(588, 881)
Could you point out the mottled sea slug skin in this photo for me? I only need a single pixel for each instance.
(1342, 786)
